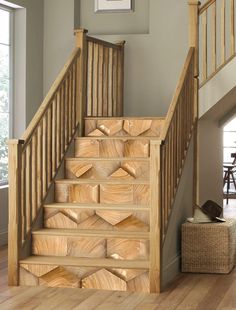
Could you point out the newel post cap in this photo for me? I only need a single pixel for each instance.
(194, 2)
(81, 30)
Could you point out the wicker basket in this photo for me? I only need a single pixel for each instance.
(209, 248)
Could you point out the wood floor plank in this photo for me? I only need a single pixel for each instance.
(131, 302)
(179, 293)
(198, 292)
(93, 301)
(229, 300)
(113, 301)
(216, 293)
(190, 291)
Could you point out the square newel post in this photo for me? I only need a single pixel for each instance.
(120, 106)
(155, 217)
(81, 78)
(194, 6)
(194, 31)
(14, 209)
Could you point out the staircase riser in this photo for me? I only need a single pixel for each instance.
(90, 247)
(127, 127)
(107, 170)
(96, 219)
(133, 280)
(111, 148)
(102, 193)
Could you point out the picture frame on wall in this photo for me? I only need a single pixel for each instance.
(113, 6)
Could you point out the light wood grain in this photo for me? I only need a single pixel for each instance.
(194, 31)
(190, 290)
(14, 235)
(223, 40)
(112, 169)
(232, 27)
(155, 218)
(81, 78)
(204, 40)
(105, 77)
(124, 127)
(214, 55)
(217, 21)
(108, 148)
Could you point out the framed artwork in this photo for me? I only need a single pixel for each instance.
(102, 6)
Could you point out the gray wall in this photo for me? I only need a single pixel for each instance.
(153, 61)
(58, 37)
(211, 147)
(210, 160)
(34, 55)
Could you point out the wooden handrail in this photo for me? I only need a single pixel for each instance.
(34, 160)
(105, 43)
(46, 102)
(177, 93)
(205, 6)
(180, 123)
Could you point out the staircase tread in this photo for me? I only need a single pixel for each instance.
(97, 206)
(118, 138)
(125, 117)
(85, 262)
(147, 159)
(102, 181)
(91, 233)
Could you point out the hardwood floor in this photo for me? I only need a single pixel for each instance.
(230, 208)
(188, 292)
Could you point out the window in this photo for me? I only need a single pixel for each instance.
(229, 141)
(5, 90)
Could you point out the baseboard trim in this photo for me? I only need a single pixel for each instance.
(3, 237)
(171, 270)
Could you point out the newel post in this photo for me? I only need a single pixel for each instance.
(194, 31)
(194, 6)
(14, 222)
(155, 216)
(81, 78)
(120, 105)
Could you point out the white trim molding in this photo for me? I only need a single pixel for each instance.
(113, 6)
(171, 270)
(3, 237)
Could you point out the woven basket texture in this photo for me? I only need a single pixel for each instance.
(209, 248)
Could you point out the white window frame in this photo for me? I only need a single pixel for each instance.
(11, 40)
(229, 147)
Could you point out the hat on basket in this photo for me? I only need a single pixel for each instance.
(208, 213)
(212, 209)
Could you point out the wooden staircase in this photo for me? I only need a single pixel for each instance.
(96, 234)
(106, 224)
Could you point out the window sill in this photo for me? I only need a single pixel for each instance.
(4, 186)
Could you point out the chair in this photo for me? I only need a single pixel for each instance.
(233, 155)
(229, 170)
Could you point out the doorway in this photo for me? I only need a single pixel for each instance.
(229, 168)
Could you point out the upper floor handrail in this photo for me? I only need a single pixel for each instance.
(105, 43)
(216, 30)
